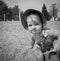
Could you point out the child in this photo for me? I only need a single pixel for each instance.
(42, 37)
(37, 17)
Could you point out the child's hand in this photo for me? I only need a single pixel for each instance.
(36, 46)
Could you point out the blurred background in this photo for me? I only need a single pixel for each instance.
(13, 37)
(13, 9)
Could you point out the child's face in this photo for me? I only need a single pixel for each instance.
(34, 24)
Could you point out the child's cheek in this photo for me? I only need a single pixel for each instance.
(30, 29)
(39, 28)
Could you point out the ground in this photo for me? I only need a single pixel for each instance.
(14, 39)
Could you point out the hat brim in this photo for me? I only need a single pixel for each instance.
(30, 12)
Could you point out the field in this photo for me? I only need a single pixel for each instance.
(14, 39)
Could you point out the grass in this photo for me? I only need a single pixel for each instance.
(14, 39)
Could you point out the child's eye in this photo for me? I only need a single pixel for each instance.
(36, 24)
(30, 25)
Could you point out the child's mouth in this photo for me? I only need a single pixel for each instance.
(34, 31)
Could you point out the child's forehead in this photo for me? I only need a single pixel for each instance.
(33, 18)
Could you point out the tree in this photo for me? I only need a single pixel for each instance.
(45, 12)
(15, 12)
(9, 14)
(53, 11)
(21, 13)
(3, 9)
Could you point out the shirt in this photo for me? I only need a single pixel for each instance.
(46, 41)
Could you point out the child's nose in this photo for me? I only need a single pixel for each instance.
(34, 27)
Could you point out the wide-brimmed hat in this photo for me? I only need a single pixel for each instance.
(30, 12)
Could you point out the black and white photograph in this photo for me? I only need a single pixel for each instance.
(29, 30)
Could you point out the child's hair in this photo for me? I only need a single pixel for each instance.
(32, 12)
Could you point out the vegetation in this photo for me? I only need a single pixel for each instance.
(53, 11)
(8, 13)
(14, 13)
(3, 9)
(45, 12)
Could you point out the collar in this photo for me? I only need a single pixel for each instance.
(44, 33)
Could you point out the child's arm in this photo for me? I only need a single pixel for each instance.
(32, 42)
(56, 35)
(53, 32)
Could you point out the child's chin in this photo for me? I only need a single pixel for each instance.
(34, 32)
